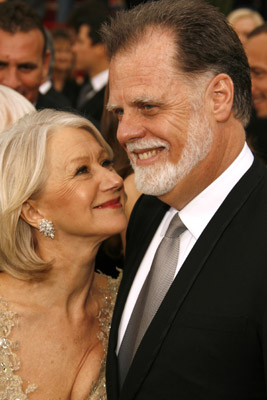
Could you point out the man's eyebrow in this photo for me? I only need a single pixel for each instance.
(27, 64)
(146, 100)
(137, 101)
(111, 107)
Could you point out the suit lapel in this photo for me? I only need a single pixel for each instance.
(153, 207)
(189, 272)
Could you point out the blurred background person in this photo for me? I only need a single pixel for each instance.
(24, 57)
(62, 73)
(60, 197)
(90, 56)
(243, 21)
(256, 49)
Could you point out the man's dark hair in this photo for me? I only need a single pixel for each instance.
(18, 16)
(257, 31)
(204, 41)
(92, 13)
(61, 34)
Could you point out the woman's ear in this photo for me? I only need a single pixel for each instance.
(30, 214)
(221, 94)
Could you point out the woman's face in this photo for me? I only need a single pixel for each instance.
(83, 194)
(63, 55)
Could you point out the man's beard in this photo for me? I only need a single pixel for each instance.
(162, 176)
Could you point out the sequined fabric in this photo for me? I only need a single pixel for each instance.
(11, 383)
(98, 391)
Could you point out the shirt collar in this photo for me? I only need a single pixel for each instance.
(197, 214)
(99, 80)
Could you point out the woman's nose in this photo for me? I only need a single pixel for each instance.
(111, 181)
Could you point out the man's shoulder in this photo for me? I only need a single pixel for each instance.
(53, 99)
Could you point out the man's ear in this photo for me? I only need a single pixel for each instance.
(30, 214)
(46, 64)
(221, 94)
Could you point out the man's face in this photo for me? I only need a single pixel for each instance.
(157, 120)
(84, 50)
(22, 64)
(256, 49)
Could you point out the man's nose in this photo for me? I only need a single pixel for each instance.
(129, 129)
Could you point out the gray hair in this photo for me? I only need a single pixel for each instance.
(22, 176)
(13, 106)
(204, 40)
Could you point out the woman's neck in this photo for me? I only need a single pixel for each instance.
(70, 285)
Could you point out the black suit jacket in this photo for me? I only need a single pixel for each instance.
(208, 339)
(93, 108)
(53, 99)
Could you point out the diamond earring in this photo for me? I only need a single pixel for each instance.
(47, 228)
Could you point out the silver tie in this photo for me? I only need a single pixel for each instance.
(154, 289)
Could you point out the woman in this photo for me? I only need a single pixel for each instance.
(59, 199)
(63, 67)
(244, 21)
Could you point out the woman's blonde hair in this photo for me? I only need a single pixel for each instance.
(245, 13)
(13, 106)
(22, 176)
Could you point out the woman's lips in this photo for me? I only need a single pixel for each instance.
(114, 203)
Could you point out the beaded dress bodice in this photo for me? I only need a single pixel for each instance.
(10, 381)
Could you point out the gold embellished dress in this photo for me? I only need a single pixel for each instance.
(10, 381)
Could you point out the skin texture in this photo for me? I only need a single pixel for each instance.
(60, 314)
(81, 179)
(256, 49)
(151, 100)
(22, 64)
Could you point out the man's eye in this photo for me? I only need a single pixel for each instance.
(148, 107)
(81, 170)
(258, 73)
(118, 113)
(27, 67)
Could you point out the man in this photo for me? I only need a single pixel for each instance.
(180, 86)
(256, 49)
(90, 56)
(24, 58)
(257, 57)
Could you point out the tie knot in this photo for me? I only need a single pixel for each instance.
(176, 227)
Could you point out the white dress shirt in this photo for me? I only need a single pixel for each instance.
(195, 216)
(99, 81)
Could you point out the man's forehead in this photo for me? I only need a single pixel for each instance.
(21, 44)
(257, 44)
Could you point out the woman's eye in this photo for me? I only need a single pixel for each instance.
(107, 164)
(82, 170)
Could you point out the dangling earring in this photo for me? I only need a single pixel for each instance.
(47, 228)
